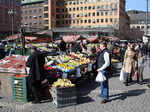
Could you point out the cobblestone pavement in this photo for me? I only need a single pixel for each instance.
(134, 98)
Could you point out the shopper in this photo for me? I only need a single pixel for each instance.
(37, 73)
(79, 46)
(104, 66)
(141, 65)
(130, 63)
(62, 47)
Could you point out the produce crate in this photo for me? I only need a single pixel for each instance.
(20, 88)
(64, 90)
(64, 96)
(60, 104)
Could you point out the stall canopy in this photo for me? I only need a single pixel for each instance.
(73, 38)
(16, 36)
(93, 39)
(113, 38)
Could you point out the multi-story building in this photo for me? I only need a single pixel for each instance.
(85, 17)
(10, 16)
(32, 15)
(138, 20)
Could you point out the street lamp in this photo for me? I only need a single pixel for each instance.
(12, 12)
(146, 32)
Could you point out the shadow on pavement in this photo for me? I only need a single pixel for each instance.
(123, 96)
(83, 89)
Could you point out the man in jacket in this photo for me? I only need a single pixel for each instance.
(36, 63)
(104, 66)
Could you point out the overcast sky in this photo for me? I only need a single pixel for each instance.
(136, 5)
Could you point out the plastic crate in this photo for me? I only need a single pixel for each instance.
(60, 104)
(64, 90)
(63, 97)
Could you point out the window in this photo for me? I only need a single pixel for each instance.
(40, 10)
(97, 20)
(89, 14)
(45, 8)
(81, 8)
(93, 7)
(102, 20)
(45, 15)
(93, 13)
(106, 20)
(97, 13)
(102, 13)
(102, 6)
(34, 10)
(111, 20)
(57, 10)
(40, 16)
(81, 21)
(89, 21)
(106, 7)
(30, 23)
(111, 12)
(45, 1)
(26, 17)
(17, 3)
(63, 10)
(58, 4)
(85, 21)
(142, 26)
(138, 27)
(30, 11)
(74, 9)
(30, 17)
(89, 7)
(46, 27)
(6, 2)
(6, 11)
(57, 22)
(0, 11)
(57, 16)
(106, 13)
(85, 8)
(0, 1)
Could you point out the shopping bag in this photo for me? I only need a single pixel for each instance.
(122, 75)
(100, 77)
(135, 75)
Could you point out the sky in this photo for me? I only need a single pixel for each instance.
(136, 5)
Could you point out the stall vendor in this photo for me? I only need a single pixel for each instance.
(79, 46)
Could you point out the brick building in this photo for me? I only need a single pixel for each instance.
(10, 16)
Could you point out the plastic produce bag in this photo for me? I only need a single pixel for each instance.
(89, 67)
(78, 74)
(122, 75)
(100, 77)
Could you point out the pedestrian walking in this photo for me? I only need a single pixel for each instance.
(130, 63)
(141, 65)
(36, 63)
(104, 66)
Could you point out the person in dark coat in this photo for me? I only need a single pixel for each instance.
(36, 63)
(62, 47)
(79, 47)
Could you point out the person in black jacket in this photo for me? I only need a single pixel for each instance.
(36, 63)
(79, 47)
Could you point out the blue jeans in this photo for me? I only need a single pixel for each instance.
(104, 86)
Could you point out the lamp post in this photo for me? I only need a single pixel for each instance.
(12, 12)
(146, 32)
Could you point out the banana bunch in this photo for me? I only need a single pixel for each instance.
(62, 83)
(65, 58)
(114, 60)
(64, 65)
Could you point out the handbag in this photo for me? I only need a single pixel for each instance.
(122, 75)
(100, 77)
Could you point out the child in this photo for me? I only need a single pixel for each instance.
(141, 65)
